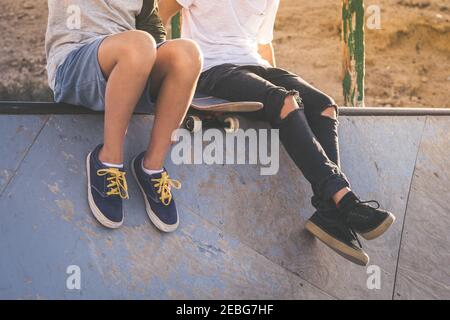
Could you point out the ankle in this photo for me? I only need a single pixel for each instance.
(337, 197)
(347, 200)
(150, 164)
(106, 156)
(150, 171)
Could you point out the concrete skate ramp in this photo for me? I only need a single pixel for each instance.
(241, 234)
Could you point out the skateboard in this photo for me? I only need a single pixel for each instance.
(212, 112)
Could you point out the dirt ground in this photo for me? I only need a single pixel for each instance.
(408, 59)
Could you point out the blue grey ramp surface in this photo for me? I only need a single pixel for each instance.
(424, 264)
(241, 234)
(17, 135)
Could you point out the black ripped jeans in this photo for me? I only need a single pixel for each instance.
(310, 138)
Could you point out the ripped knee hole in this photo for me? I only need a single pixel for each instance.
(330, 112)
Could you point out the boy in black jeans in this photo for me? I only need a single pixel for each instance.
(239, 65)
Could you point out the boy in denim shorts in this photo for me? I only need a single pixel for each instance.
(97, 58)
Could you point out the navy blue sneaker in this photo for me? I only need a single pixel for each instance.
(107, 187)
(156, 189)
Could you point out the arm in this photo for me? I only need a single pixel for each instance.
(267, 53)
(265, 35)
(149, 20)
(167, 9)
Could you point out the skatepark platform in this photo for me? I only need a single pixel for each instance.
(241, 234)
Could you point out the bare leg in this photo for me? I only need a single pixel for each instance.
(174, 77)
(126, 61)
(330, 112)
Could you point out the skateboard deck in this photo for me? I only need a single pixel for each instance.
(213, 104)
(208, 112)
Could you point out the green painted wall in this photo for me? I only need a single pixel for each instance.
(353, 21)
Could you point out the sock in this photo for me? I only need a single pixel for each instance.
(150, 172)
(349, 199)
(112, 165)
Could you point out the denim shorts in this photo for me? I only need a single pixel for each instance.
(80, 81)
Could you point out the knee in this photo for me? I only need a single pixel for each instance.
(331, 108)
(185, 57)
(330, 112)
(138, 50)
(290, 105)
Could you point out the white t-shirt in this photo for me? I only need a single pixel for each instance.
(229, 31)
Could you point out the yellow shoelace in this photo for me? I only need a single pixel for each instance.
(117, 182)
(164, 185)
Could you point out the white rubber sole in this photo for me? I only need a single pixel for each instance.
(94, 209)
(382, 228)
(153, 217)
(358, 257)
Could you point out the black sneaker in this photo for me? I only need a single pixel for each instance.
(370, 222)
(107, 187)
(159, 202)
(329, 228)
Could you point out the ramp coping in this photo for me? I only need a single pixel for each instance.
(26, 107)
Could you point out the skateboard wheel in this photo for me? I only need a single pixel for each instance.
(231, 124)
(193, 124)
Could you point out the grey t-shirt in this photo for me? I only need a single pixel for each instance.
(73, 23)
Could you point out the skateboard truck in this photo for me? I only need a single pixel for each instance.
(195, 123)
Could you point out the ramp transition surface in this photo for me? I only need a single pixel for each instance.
(241, 234)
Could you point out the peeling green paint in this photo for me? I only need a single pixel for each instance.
(353, 21)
